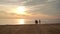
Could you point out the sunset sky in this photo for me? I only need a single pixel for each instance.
(42, 9)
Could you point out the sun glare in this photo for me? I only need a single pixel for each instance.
(21, 10)
(21, 21)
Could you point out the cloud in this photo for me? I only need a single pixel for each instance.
(47, 8)
(51, 0)
(16, 16)
(37, 7)
(8, 1)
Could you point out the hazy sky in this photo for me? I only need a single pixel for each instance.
(43, 9)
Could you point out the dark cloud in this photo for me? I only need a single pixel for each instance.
(50, 8)
(58, 5)
(35, 2)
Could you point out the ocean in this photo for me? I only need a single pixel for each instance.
(26, 21)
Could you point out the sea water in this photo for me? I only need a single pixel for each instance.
(26, 21)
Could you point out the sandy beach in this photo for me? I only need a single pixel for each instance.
(30, 29)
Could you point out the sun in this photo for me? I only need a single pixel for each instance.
(21, 10)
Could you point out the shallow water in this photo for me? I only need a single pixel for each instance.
(25, 21)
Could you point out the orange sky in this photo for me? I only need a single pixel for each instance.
(41, 9)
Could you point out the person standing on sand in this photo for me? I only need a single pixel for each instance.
(39, 21)
(36, 22)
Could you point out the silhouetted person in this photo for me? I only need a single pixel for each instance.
(36, 22)
(39, 21)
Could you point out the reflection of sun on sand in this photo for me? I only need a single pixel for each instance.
(21, 21)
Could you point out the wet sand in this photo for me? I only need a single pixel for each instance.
(30, 29)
